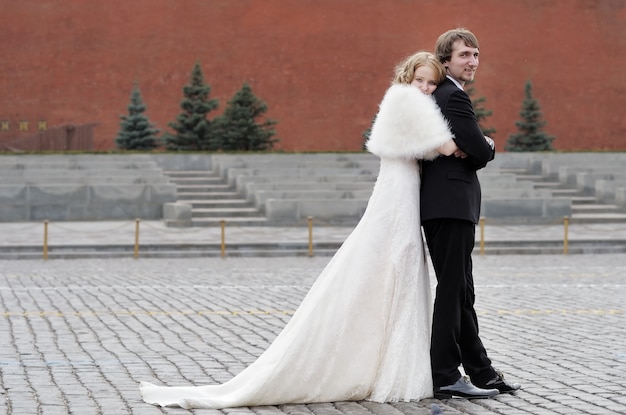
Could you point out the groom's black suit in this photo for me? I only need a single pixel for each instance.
(450, 209)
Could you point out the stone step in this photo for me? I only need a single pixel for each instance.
(203, 188)
(197, 181)
(565, 193)
(217, 203)
(176, 253)
(224, 212)
(296, 248)
(554, 250)
(189, 173)
(190, 196)
(581, 218)
(547, 185)
(596, 208)
(530, 177)
(521, 172)
(580, 200)
(239, 249)
(84, 166)
(230, 221)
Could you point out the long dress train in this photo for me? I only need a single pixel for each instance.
(363, 329)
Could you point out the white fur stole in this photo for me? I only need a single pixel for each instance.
(409, 124)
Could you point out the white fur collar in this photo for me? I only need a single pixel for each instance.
(409, 124)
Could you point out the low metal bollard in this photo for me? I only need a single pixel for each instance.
(482, 236)
(136, 251)
(310, 223)
(223, 242)
(565, 234)
(45, 240)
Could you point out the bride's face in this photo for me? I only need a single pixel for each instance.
(425, 79)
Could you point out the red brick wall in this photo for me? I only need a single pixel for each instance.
(321, 65)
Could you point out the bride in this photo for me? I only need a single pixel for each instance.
(363, 330)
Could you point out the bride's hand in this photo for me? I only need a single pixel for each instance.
(460, 154)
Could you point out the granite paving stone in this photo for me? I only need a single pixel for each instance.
(78, 335)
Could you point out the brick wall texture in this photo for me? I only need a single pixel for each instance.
(321, 65)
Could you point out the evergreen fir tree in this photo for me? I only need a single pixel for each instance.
(192, 128)
(530, 136)
(481, 112)
(136, 131)
(237, 128)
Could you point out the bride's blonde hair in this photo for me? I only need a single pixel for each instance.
(405, 71)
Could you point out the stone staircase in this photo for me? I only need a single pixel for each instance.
(82, 187)
(271, 190)
(280, 190)
(586, 207)
(212, 199)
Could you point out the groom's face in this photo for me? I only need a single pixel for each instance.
(463, 62)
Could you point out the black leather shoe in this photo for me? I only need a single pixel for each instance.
(500, 384)
(463, 388)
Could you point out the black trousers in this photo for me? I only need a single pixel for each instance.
(455, 339)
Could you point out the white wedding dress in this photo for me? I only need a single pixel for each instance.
(363, 330)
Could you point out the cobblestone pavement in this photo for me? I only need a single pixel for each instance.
(76, 336)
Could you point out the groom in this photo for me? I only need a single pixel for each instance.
(450, 209)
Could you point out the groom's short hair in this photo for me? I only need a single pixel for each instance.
(445, 42)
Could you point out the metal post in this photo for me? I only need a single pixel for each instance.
(482, 235)
(136, 252)
(310, 222)
(223, 243)
(45, 240)
(565, 236)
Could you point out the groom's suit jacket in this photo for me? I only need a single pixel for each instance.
(450, 186)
